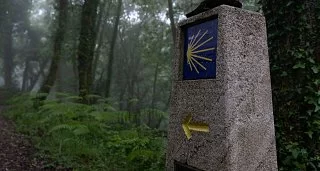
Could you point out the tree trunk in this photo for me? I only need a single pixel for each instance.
(286, 20)
(86, 47)
(8, 56)
(7, 28)
(173, 30)
(25, 74)
(39, 74)
(75, 86)
(172, 23)
(131, 101)
(99, 29)
(121, 98)
(57, 49)
(33, 46)
(112, 45)
(100, 42)
(153, 93)
(314, 22)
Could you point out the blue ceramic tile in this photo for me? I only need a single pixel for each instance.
(200, 51)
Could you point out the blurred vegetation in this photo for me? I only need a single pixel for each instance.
(89, 137)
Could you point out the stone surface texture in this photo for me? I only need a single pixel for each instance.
(237, 105)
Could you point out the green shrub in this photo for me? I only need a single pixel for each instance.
(293, 37)
(85, 137)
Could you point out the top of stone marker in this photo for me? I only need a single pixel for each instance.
(209, 4)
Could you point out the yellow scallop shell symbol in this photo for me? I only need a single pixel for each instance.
(194, 48)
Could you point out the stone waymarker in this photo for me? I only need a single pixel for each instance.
(221, 107)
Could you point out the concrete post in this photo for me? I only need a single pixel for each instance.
(221, 115)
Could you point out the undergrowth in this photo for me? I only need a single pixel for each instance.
(88, 137)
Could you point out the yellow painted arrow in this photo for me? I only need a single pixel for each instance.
(188, 127)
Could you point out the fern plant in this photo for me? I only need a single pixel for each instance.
(88, 137)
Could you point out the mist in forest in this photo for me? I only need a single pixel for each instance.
(92, 78)
(121, 50)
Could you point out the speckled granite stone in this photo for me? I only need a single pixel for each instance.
(237, 105)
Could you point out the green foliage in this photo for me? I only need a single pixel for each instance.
(294, 32)
(85, 137)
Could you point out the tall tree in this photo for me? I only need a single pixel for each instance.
(101, 38)
(57, 49)
(13, 20)
(112, 45)
(87, 46)
(7, 40)
(171, 17)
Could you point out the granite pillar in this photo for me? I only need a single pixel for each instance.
(235, 102)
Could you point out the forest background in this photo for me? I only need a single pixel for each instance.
(92, 79)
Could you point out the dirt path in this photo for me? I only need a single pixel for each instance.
(15, 150)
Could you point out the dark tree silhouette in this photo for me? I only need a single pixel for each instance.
(87, 46)
(57, 49)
